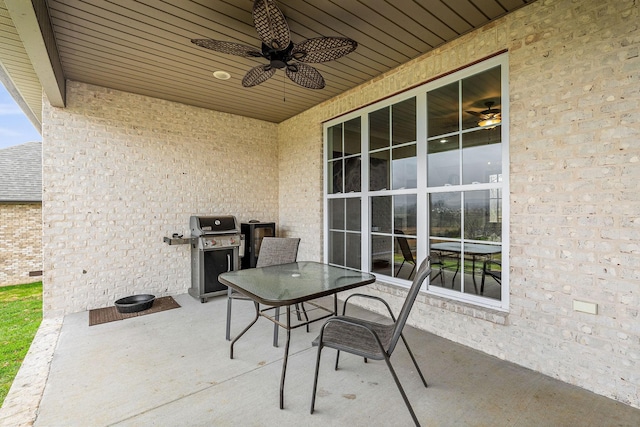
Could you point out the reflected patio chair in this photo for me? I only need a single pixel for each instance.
(488, 271)
(406, 252)
(273, 251)
(437, 260)
(371, 340)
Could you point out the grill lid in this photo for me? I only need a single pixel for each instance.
(212, 225)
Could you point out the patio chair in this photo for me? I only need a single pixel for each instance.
(273, 251)
(437, 260)
(406, 252)
(371, 340)
(488, 271)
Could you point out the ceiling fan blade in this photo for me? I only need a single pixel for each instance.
(271, 25)
(322, 49)
(257, 75)
(478, 114)
(305, 76)
(228, 47)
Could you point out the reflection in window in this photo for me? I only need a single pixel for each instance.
(344, 216)
(443, 161)
(481, 155)
(405, 167)
(393, 240)
(443, 110)
(445, 214)
(435, 147)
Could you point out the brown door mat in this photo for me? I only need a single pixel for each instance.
(110, 314)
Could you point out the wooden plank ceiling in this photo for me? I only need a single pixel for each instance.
(143, 46)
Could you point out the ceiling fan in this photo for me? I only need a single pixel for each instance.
(490, 117)
(280, 51)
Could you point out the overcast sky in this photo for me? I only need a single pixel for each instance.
(15, 128)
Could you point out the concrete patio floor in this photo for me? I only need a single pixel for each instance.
(173, 369)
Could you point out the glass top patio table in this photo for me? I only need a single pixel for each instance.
(285, 285)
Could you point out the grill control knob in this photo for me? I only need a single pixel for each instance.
(213, 242)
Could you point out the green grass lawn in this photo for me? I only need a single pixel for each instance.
(20, 316)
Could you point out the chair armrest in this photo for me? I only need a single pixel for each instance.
(344, 308)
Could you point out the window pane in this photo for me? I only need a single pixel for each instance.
(336, 214)
(404, 257)
(379, 129)
(336, 247)
(405, 167)
(379, 171)
(491, 286)
(352, 174)
(481, 156)
(335, 177)
(443, 110)
(352, 137)
(481, 98)
(483, 215)
(445, 264)
(353, 255)
(443, 161)
(405, 211)
(404, 121)
(353, 214)
(381, 214)
(334, 141)
(445, 215)
(381, 255)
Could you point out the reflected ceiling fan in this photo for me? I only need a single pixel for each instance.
(280, 51)
(489, 118)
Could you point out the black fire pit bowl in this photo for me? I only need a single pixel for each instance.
(135, 303)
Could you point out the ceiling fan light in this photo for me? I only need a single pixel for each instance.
(221, 75)
(489, 123)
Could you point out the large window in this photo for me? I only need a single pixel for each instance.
(424, 173)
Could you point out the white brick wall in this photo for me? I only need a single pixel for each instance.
(575, 199)
(121, 171)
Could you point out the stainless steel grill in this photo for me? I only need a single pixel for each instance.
(215, 243)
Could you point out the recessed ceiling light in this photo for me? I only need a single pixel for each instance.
(222, 75)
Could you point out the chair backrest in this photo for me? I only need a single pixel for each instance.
(404, 247)
(277, 250)
(423, 272)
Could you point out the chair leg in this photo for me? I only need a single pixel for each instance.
(404, 396)
(414, 360)
(228, 332)
(315, 378)
(337, 358)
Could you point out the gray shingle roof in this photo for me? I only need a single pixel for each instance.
(21, 173)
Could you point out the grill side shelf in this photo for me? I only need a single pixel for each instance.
(179, 240)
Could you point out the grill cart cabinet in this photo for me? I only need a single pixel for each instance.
(253, 233)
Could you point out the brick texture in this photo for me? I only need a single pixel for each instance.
(122, 171)
(20, 242)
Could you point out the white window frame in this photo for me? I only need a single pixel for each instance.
(422, 191)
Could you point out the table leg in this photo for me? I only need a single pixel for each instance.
(473, 272)
(257, 306)
(286, 357)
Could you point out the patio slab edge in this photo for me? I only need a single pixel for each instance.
(20, 407)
